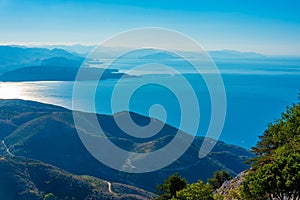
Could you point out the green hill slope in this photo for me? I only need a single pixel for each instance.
(22, 178)
(47, 133)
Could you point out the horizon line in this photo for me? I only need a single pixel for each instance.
(84, 44)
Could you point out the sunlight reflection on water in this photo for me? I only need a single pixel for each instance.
(259, 97)
(38, 91)
(10, 91)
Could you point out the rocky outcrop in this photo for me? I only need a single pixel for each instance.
(229, 187)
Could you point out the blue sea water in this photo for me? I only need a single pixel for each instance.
(254, 98)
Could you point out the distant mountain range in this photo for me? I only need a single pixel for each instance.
(37, 64)
(216, 54)
(59, 69)
(76, 48)
(231, 54)
(12, 57)
(42, 64)
(47, 133)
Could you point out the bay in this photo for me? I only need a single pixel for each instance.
(253, 100)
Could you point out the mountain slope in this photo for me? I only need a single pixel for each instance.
(58, 69)
(22, 178)
(232, 186)
(47, 133)
(231, 54)
(13, 57)
(57, 73)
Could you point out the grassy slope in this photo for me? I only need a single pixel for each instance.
(22, 178)
(47, 133)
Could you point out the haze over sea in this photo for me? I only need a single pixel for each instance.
(256, 95)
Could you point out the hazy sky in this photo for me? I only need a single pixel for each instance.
(265, 26)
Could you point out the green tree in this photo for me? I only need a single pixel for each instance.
(50, 196)
(276, 169)
(219, 178)
(171, 185)
(199, 191)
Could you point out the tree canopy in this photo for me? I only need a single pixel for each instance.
(275, 171)
(197, 190)
(176, 188)
(171, 185)
(219, 178)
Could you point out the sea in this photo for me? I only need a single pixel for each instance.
(256, 95)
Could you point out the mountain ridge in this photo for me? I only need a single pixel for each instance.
(23, 178)
(13, 57)
(32, 137)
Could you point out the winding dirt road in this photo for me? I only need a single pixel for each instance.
(7, 149)
(109, 187)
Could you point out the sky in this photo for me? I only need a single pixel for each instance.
(263, 26)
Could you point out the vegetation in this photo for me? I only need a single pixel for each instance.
(219, 178)
(274, 173)
(276, 169)
(197, 190)
(50, 196)
(176, 188)
(23, 178)
(30, 129)
(171, 185)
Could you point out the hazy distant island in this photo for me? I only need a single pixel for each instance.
(38, 64)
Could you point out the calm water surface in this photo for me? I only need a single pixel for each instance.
(253, 100)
